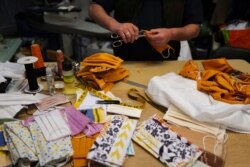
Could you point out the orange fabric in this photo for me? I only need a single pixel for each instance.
(160, 48)
(115, 75)
(190, 70)
(103, 60)
(81, 145)
(217, 81)
(223, 87)
(218, 65)
(108, 86)
(102, 70)
(88, 76)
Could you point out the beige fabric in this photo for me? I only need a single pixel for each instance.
(177, 117)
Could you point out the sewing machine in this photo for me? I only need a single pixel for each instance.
(8, 48)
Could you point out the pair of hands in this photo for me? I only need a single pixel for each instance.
(129, 33)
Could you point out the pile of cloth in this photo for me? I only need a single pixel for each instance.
(102, 70)
(217, 94)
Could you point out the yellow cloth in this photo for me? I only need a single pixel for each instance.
(217, 81)
(101, 70)
(190, 70)
(218, 65)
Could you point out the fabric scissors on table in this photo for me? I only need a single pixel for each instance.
(118, 40)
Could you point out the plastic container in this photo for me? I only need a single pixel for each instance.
(67, 72)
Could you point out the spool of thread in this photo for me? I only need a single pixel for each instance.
(30, 73)
(60, 59)
(36, 51)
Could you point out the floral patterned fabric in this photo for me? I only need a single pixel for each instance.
(171, 148)
(111, 145)
(49, 152)
(19, 141)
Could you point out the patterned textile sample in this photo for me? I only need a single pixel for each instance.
(19, 141)
(50, 152)
(173, 150)
(95, 114)
(111, 145)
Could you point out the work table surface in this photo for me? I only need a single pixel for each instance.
(237, 147)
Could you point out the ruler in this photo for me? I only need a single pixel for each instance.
(101, 95)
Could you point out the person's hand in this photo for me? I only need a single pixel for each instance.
(158, 37)
(127, 31)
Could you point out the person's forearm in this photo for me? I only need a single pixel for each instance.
(99, 15)
(185, 33)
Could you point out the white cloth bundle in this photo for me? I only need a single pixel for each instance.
(172, 88)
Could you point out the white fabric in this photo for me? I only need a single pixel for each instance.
(11, 70)
(52, 125)
(9, 111)
(17, 99)
(175, 89)
(185, 52)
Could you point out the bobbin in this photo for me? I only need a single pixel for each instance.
(28, 61)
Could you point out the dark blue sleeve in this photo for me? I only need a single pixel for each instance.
(193, 12)
(108, 5)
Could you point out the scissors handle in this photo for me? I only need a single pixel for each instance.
(118, 40)
(114, 36)
(117, 43)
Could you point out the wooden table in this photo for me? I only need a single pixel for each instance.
(237, 147)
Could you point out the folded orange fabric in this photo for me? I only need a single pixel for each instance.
(101, 70)
(81, 145)
(219, 81)
(218, 65)
(115, 75)
(190, 70)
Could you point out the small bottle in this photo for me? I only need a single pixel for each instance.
(50, 81)
(68, 74)
(60, 59)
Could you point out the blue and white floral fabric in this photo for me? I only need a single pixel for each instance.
(172, 149)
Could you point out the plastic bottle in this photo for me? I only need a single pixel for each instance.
(50, 81)
(60, 59)
(68, 74)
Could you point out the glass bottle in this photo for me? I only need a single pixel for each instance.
(50, 81)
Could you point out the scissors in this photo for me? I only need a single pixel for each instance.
(118, 40)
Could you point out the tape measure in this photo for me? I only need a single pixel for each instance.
(86, 90)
